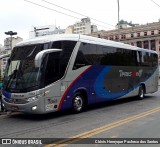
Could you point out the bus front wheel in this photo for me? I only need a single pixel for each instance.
(78, 103)
(141, 92)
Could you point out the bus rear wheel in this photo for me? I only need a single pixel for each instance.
(141, 92)
(78, 104)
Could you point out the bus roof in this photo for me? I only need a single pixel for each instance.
(49, 38)
(82, 38)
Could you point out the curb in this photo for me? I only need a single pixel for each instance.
(5, 113)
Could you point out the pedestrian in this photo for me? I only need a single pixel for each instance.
(2, 107)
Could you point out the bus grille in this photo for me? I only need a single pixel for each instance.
(16, 101)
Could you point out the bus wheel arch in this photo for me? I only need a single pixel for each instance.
(79, 101)
(141, 91)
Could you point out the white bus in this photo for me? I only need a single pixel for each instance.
(58, 72)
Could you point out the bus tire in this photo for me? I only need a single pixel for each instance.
(78, 104)
(141, 92)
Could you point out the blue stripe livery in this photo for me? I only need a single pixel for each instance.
(6, 94)
(95, 81)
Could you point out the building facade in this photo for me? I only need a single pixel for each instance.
(1, 48)
(3, 62)
(82, 27)
(9, 44)
(45, 30)
(69, 30)
(145, 36)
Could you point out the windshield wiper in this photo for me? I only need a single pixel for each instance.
(11, 77)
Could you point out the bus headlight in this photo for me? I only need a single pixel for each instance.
(32, 99)
(34, 108)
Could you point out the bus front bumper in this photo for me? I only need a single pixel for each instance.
(35, 107)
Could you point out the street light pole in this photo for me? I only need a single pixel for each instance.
(11, 33)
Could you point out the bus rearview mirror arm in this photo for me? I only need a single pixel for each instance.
(41, 54)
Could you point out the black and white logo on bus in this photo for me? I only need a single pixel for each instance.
(133, 73)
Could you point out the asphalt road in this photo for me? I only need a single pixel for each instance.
(127, 118)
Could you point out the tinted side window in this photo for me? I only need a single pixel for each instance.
(154, 60)
(90, 54)
(118, 57)
(145, 59)
(109, 57)
(132, 55)
(99, 54)
(148, 59)
(67, 49)
(57, 62)
(126, 57)
(86, 55)
(52, 72)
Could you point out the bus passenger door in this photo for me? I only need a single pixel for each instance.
(52, 81)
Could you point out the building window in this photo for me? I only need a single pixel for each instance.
(111, 37)
(132, 35)
(117, 37)
(152, 32)
(159, 32)
(146, 44)
(153, 45)
(132, 44)
(139, 44)
(145, 33)
(138, 34)
(124, 36)
(4, 59)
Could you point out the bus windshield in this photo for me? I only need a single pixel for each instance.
(21, 74)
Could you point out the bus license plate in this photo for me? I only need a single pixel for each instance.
(14, 108)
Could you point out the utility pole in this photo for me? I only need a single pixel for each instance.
(118, 20)
(11, 33)
(118, 12)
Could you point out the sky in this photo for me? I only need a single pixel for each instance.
(21, 16)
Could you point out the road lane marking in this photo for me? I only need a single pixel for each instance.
(101, 129)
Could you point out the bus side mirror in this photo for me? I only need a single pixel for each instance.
(39, 57)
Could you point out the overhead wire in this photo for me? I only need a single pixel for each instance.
(76, 12)
(155, 3)
(62, 13)
(50, 9)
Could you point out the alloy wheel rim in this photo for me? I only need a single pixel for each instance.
(78, 103)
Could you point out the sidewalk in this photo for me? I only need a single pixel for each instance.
(4, 113)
